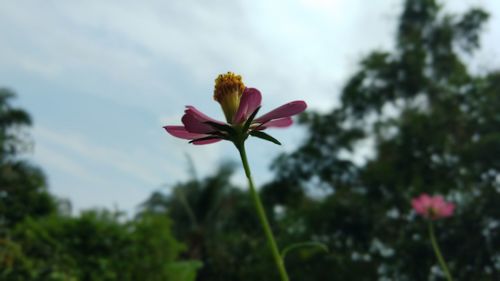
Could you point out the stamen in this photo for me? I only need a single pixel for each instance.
(228, 90)
(228, 84)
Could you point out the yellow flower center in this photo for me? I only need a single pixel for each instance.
(228, 90)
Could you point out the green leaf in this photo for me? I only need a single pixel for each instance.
(264, 136)
(310, 244)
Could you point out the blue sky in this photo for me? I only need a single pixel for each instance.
(101, 78)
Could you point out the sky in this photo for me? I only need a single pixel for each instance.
(101, 78)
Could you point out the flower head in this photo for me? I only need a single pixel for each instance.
(240, 105)
(228, 91)
(432, 207)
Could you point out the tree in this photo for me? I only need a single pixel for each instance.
(215, 219)
(435, 130)
(97, 245)
(40, 242)
(23, 188)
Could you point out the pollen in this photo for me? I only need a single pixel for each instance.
(228, 90)
(227, 85)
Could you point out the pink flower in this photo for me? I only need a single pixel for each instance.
(240, 105)
(432, 207)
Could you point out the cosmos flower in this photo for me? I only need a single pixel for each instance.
(240, 106)
(432, 207)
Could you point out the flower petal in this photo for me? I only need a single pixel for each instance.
(447, 211)
(202, 142)
(421, 204)
(277, 123)
(417, 206)
(181, 132)
(193, 125)
(432, 207)
(286, 110)
(200, 115)
(194, 121)
(249, 102)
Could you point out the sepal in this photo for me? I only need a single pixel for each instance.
(247, 124)
(264, 136)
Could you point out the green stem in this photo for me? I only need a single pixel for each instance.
(438, 253)
(262, 216)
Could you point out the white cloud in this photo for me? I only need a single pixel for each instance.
(54, 158)
(115, 174)
(122, 161)
(161, 55)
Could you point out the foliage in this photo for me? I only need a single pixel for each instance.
(434, 130)
(40, 242)
(217, 222)
(23, 189)
(96, 246)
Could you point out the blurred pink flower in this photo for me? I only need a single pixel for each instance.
(432, 207)
(240, 105)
